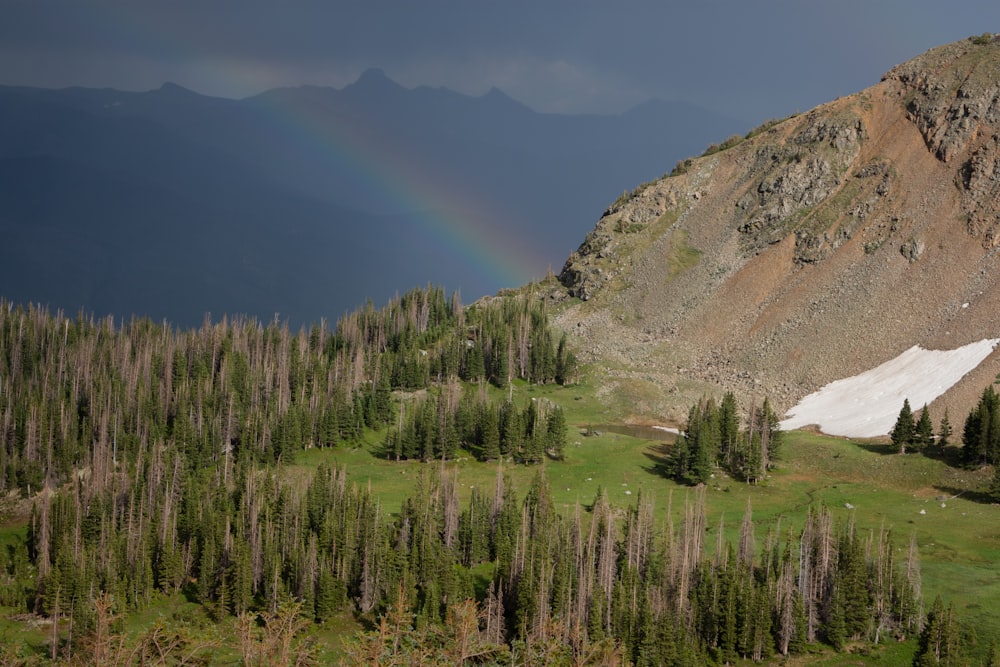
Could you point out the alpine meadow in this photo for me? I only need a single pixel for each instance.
(752, 420)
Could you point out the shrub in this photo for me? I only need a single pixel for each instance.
(682, 167)
(734, 140)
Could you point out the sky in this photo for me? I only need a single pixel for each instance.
(749, 59)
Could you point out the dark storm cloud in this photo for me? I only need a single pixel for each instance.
(750, 59)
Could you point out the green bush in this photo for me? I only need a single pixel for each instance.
(734, 140)
(682, 167)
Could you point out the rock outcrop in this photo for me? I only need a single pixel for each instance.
(812, 249)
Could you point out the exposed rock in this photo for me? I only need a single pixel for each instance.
(817, 248)
(954, 98)
(912, 249)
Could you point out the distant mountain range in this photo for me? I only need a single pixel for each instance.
(306, 202)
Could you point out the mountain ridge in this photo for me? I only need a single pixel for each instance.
(811, 250)
(381, 174)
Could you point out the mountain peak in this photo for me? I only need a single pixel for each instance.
(172, 88)
(498, 97)
(375, 79)
(373, 75)
(812, 248)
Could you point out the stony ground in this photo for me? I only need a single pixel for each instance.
(819, 247)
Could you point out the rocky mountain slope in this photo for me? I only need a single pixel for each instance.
(815, 248)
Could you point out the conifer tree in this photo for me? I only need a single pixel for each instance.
(939, 642)
(993, 656)
(902, 432)
(944, 431)
(923, 435)
(729, 429)
(491, 434)
(994, 488)
(981, 433)
(556, 431)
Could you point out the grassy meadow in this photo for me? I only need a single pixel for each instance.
(957, 528)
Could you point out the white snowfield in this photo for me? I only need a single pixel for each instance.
(867, 405)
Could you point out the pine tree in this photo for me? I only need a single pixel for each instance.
(556, 430)
(836, 627)
(993, 656)
(697, 449)
(772, 425)
(328, 598)
(994, 489)
(679, 460)
(729, 429)
(944, 431)
(491, 433)
(511, 430)
(903, 431)
(565, 363)
(981, 432)
(939, 642)
(923, 435)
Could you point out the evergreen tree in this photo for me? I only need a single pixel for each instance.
(939, 642)
(772, 427)
(981, 434)
(698, 446)
(678, 461)
(491, 433)
(729, 429)
(565, 363)
(944, 431)
(511, 430)
(556, 432)
(903, 431)
(994, 488)
(993, 656)
(836, 627)
(923, 435)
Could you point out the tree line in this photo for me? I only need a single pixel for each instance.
(980, 444)
(608, 580)
(454, 416)
(84, 394)
(146, 449)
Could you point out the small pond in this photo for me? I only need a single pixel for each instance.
(638, 431)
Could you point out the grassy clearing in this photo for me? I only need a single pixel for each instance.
(681, 255)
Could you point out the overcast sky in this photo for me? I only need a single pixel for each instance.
(751, 59)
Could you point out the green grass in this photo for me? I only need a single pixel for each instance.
(681, 255)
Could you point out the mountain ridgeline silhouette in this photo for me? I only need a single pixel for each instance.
(304, 202)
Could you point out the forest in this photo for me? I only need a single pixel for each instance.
(155, 461)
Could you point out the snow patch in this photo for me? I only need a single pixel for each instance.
(867, 405)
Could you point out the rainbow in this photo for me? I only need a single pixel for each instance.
(474, 233)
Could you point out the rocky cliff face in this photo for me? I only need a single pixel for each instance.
(815, 248)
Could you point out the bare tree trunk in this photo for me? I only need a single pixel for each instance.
(745, 552)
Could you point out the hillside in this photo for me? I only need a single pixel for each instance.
(816, 248)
